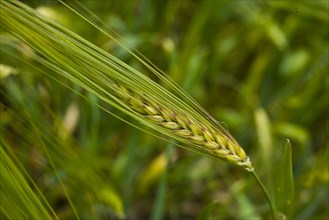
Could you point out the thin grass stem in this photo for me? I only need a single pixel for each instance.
(267, 195)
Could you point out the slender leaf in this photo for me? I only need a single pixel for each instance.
(285, 186)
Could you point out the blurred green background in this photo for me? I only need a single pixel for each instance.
(259, 66)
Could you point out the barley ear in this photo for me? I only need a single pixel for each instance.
(121, 86)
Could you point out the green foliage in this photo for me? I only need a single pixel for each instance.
(259, 66)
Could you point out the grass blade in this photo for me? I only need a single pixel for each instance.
(285, 186)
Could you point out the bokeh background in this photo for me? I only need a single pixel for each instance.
(261, 67)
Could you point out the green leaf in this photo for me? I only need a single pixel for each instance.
(263, 126)
(112, 199)
(285, 184)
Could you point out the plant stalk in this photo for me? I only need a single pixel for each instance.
(267, 195)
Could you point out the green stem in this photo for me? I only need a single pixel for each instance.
(267, 195)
